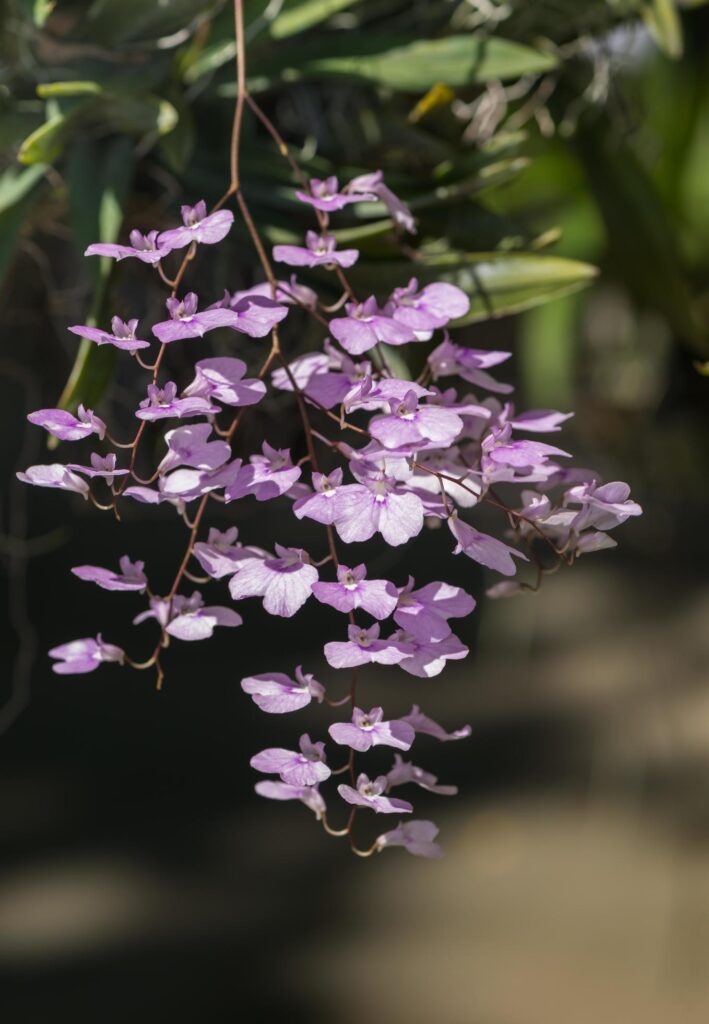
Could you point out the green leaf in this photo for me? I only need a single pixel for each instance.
(79, 88)
(297, 15)
(19, 191)
(41, 11)
(401, 62)
(98, 175)
(45, 143)
(664, 24)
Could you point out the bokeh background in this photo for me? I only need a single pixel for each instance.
(556, 154)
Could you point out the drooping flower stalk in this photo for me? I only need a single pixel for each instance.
(406, 453)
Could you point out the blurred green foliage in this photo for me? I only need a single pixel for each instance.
(501, 122)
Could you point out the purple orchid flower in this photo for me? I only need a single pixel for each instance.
(319, 251)
(308, 768)
(190, 446)
(471, 364)
(484, 549)
(54, 475)
(365, 325)
(253, 314)
(428, 727)
(368, 730)
(428, 657)
(162, 403)
(369, 794)
(408, 424)
(424, 613)
(81, 656)
(604, 506)
(364, 646)
(187, 322)
(325, 195)
(424, 311)
(320, 505)
(198, 226)
(130, 577)
(307, 795)
(277, 694)
(539, 421)
(285, 582)
(66, 427)
(379, 506)
(325, 377)
(187, 618)
(123, 335)
(354, 590)
(222, 380)
(415, 836)
(267, 476)
(101, 466)
(221, 556)
(142, 247)
(406, 771)
(374, 183)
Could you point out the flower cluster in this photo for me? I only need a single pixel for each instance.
(386, 457)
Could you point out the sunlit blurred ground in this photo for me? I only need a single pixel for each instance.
(574, 889)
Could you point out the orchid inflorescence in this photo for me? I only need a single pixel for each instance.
(400, 454)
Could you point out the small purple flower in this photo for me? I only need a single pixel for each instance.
(415, 836)
(277, 694)
(424, 613)
(428, 657)
(163, 403)
(123, 335)
(284, 582)
(432, 307)
(406, 771)
(368, 730)
(187, 322)
(364, 646)
(354, 590)
(449, 360)
(369, 794)
(267, 476)
(365, 325)
(325, 377)
(484, 549)
(427, 727)
(540, 421)
(255, 315)
(54, 475)
(221, 379)
(308, 768)
(101, 466)
(603, 507)
(81, 656)
(408, 424)
(221, 556)
(130, 577)
(307, 795)
(142, 247)
(380, 506)
(190, 446)
(320, 505)
(186, 618)
(198, 226)
(319, 251)
(397, 209)
(325, 195)
(66, 427)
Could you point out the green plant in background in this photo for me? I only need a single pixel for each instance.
(499, 121)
